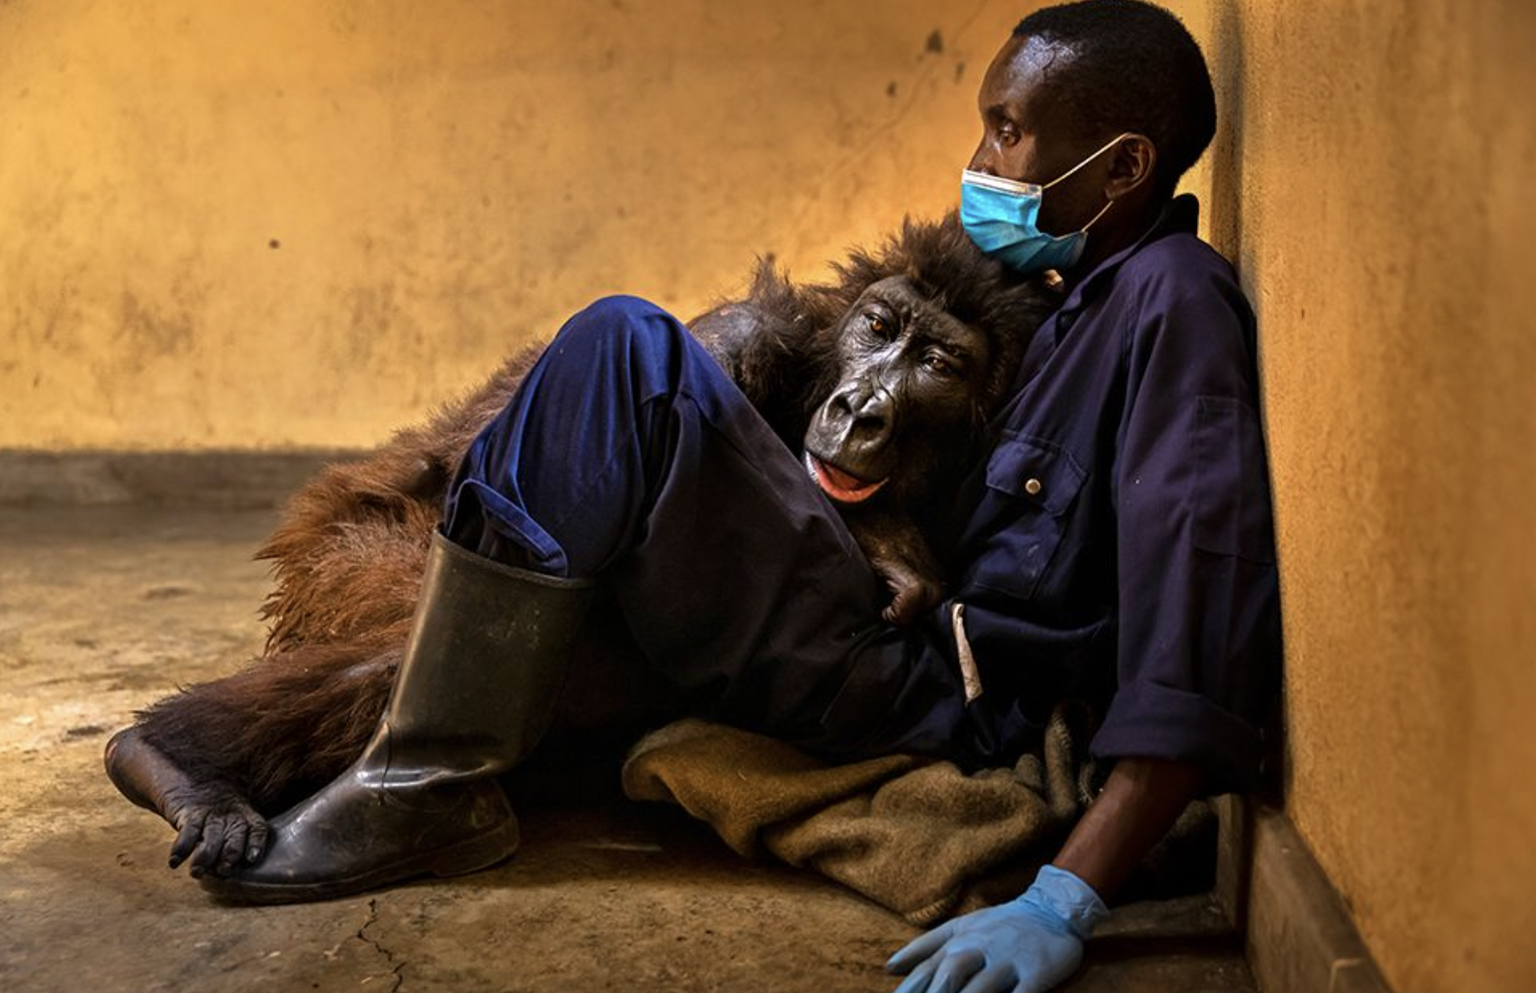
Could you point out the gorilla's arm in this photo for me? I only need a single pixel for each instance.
(727, 332)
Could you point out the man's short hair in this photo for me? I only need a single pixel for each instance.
(1134, 67)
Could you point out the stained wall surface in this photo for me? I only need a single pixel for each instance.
(1375, 181)
(301, 223)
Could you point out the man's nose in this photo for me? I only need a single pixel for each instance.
(982, 160)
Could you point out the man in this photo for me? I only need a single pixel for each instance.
(1115, 543)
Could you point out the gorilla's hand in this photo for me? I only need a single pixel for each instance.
(216, 826)
(911, 592)
(899, 554)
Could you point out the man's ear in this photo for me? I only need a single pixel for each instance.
(1131, 166)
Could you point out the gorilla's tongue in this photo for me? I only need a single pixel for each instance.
(838, 484)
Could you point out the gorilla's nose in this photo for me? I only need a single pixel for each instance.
(854, 427)
(871, 414)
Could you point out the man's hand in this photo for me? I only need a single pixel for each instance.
(1026, 946)
(1037, 940)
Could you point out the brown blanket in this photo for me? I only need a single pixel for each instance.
(916, 835)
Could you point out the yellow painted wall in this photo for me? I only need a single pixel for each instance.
(1375, 180)
(300, 223)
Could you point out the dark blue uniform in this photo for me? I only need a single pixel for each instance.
(1116, 544)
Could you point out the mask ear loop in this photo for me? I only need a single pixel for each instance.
(1112, 142)
(1107, 203)
(1102, 211)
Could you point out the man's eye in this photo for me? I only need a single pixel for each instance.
(1007, 135)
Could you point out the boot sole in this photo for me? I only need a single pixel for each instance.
(459, 859)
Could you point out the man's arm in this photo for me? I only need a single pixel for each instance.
(1037, 940)
(1141, 800)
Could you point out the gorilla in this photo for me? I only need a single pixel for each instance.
(883, 378)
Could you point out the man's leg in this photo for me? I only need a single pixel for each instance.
(629, 455)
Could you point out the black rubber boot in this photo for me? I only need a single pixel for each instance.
(476, 689)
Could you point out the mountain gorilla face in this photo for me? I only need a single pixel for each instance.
(909, 380)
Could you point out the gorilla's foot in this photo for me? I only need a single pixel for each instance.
(358, 834)
(215, 824)
(139, 771)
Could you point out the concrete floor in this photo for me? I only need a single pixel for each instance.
(105, 610)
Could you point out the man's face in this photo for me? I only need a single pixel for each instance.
(1026, 136)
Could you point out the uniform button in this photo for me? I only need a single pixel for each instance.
(1032, 486)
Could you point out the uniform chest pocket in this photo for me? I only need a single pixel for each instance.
(1036, 484)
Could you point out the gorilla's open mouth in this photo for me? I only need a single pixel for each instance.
(839, 485)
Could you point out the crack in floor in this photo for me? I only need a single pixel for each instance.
(389, 956)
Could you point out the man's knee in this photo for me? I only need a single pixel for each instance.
(619, 325)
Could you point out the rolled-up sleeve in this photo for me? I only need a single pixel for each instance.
(1198, 595)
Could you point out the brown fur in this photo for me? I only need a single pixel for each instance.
(349, 552)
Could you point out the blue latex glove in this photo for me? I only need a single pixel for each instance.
(1026, 946)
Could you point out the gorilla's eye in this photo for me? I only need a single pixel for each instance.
(876, 324)
(940, 365)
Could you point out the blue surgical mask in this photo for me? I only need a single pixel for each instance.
(1001, 217)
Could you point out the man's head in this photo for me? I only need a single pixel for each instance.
(1072, 78)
